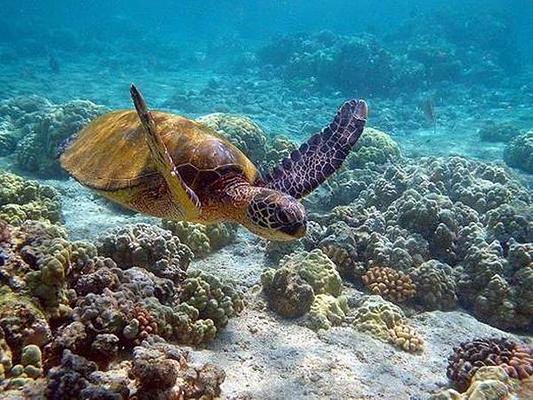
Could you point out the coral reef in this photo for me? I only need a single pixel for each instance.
(263, 151)
(146, 246)
(455, 226)
(469, 357)
(518, 153)
(386, 321)
(291, 288)
(488, 383)
(435, 285)
(374, 147)
(37, 150)
(66, 313)
(367, 66)
(241, 131)
(327, 311)
(202, 239)
(389, 284)
(498, 132)
(22, 200)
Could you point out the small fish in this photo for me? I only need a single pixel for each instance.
(428, 107)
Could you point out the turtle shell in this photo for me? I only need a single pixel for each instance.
(110, 154)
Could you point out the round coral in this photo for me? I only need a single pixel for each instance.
(519, 152)
(390, 284)
(516, 359)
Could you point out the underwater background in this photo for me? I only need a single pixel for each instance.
(415, 279)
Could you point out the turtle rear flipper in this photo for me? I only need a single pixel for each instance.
(323, 154)
(184, 195)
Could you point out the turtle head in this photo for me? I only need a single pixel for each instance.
(276, 216)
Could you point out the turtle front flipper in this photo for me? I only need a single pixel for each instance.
(183, 194)
(318, 158)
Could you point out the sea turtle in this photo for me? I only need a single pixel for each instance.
(172, 167)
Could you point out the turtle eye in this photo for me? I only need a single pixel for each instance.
(282, 216)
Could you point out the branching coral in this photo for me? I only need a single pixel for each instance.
(22, 200)
(202, 239)
(390, 284)
(516, 359)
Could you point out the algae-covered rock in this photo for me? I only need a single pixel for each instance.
(519, 152)
(498, 132)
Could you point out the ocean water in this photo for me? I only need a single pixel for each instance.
(416, 267)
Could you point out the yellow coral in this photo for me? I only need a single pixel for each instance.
(389, 283)
(386, 322)
(490, 383)
(327, 311)
(406, 338)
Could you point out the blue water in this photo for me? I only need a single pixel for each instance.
(441, 79)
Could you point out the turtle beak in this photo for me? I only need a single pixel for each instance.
(361, 110)
(295, 231)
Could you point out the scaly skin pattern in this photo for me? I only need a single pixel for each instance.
(322, 155)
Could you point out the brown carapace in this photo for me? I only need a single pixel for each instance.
(172, 167)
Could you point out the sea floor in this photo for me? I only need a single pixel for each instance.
(266, 357)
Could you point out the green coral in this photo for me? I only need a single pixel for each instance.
(202, 239)
(213, 299)
(291, 289)
(205, 306)
(374, 147)
(327, 311)
(37, 151)
(316, 269)
(22, 200)
(41, 261)
(519, 152)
